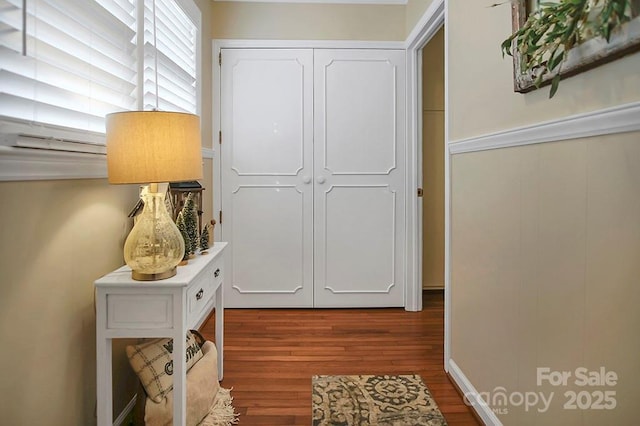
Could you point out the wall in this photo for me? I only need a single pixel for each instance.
(433, 162)
(414, 10)
(545, 237)
(284, 21)
(206, 115)
(476, 67)
(57, 238)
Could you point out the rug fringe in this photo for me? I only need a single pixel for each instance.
(222, 412)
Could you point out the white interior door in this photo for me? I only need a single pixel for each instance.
(359, 136)
(267, 170)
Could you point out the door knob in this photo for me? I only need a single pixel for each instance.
(320, 179)
(306, 179)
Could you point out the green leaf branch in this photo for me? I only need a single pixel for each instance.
(552, 30)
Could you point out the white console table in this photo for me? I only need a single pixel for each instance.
(126, 308)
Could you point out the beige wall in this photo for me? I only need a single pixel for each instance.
(433, 162)
(206, 115)
(286, 21)
(57, 238)
(481, 88)
(545, 271)
(206, 81)
(545, 238)
(413, 12)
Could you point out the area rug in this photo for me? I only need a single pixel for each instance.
(373, 400)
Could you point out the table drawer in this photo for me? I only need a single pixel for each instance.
(198, 296)
(139, 311)
(202, 291)
(217, 267)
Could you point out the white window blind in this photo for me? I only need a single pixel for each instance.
(80, 64)
(170, 48)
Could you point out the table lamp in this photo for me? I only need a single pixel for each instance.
(152, 147)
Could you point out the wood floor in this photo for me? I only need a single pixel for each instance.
(271, 354)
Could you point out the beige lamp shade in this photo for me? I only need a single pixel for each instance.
(153, 146)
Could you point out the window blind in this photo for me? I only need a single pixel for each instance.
(80, 64)
(170, 48)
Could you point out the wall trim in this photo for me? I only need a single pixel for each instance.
(39, 164)
(430, 22)
(299, 44)
(390, 2)
(447, 201)
(125, 412)
(482, 408)
(27, 164)
(427, 25)
(607, 121)
(208, 153)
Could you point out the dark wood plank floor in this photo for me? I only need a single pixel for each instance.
(271, 354)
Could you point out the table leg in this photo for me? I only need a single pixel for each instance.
(104, 391)
(179, 374)
(220, 329)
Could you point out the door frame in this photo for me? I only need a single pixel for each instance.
(218, 44)
(432, 20)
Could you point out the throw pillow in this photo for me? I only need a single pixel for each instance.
(202, 389)
(153, 364)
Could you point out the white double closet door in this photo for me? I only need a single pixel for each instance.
(312, 177)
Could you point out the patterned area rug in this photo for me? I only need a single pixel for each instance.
(373, 400)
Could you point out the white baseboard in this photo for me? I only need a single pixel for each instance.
(481, 407)
(125, 412)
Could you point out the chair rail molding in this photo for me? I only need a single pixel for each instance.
(618, 119)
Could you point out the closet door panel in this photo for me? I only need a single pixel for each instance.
(359, 136)
(267, 164)
(359, 246)
(266, 236)
(267, 117)
(359, 117)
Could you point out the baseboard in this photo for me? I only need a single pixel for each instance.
(481, 408)
(461, 393)
(126, 411)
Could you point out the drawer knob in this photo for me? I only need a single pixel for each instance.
(199, 294)
(216, 273)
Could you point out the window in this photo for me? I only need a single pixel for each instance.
(78, 60)
(173, 62)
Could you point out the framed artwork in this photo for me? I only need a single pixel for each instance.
(591, 53)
